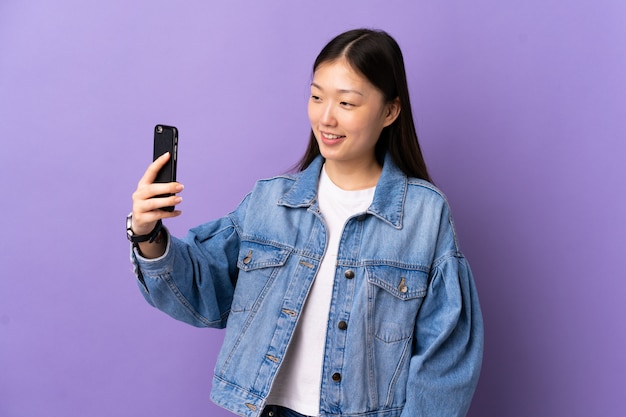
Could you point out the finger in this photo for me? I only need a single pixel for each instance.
(143, 218)
(160, 202)
(143, 206)
(153, 169)
(146, 206)
(147, 191)
(146, 212)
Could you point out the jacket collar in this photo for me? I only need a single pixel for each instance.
(389, 197)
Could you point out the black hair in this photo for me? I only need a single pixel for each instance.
(377, 56)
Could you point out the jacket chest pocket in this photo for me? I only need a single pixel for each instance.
(394, 298)
(258, 265)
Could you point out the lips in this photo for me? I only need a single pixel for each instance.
(331, 138)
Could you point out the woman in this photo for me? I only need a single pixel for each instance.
(341, 287)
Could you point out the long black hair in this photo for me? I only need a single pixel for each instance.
(377, 56)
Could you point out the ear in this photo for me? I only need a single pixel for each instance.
(392, 111)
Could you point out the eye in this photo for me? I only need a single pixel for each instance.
(315, 98)
(346, 104)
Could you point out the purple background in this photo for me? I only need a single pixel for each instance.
(521, 112)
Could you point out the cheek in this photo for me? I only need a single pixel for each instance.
(369, 132)
(313, 117)
(358, 126)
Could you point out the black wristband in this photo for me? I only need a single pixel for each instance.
(150, 237)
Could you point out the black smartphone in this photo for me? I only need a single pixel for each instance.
(166, 140)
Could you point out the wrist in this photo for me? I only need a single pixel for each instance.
(151, 237)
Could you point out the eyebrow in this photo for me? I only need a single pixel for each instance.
(341, 90)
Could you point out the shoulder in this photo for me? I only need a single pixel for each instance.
(426, 202)
(279, 184)
(278, 180)
(272, 189)
(426, 191)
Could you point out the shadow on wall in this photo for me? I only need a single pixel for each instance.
(497, 239)
(526, 369)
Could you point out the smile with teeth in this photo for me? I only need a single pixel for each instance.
(331, 136)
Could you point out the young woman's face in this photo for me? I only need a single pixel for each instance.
(347, 113)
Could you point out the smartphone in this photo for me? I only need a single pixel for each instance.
(166, 140)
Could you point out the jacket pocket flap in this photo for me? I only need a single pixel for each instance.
(254, 255)
(402, 283)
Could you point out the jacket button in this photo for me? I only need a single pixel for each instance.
(248, 258)
(336, 377)
(349, 274)
(342, 325)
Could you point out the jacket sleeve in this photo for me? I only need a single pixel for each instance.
(448, 344)
(195, 279)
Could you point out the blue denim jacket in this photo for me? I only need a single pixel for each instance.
(414, 341)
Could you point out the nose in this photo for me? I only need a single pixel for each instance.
(327, 117)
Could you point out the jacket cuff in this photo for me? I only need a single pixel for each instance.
(156, 266)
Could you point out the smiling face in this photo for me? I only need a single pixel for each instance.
(347, 115)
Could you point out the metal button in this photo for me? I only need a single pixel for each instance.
(349, 274)
(336, 377)
(248, 257)
(402, 287)
(342, 325)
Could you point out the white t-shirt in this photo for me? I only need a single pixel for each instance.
(297, 384)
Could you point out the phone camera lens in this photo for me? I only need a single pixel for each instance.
(159, 129)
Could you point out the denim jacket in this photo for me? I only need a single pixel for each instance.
(414, 336)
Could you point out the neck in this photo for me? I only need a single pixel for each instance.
(351, 177)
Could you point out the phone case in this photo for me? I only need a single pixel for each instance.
(166, 140)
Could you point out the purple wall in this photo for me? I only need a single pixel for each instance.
(521, 111)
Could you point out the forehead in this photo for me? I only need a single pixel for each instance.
(339, 74)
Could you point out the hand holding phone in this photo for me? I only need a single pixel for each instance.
(166, 140)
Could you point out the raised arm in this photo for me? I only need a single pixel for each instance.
(146, 209)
